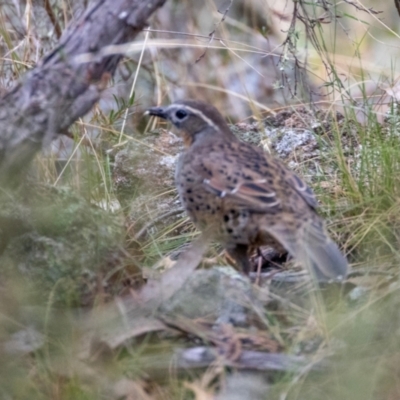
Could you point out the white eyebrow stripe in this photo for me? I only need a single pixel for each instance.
(196, 112)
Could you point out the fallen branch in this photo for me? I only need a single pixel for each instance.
(60, 89)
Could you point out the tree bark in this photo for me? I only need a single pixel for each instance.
(61, 89)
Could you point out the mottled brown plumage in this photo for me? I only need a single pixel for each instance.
(244, 197)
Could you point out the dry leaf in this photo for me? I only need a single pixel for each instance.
(157, 291)
(200, 392)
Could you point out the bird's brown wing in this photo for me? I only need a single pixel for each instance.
(270, 189)
(252, 187)
(301, 188)
(255, 194)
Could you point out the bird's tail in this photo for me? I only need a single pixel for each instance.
(314, 249)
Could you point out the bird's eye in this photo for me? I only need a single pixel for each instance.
(181, 114)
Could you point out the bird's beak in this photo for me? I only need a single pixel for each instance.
(157, 112)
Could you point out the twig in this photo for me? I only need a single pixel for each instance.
(256, 360)
(212, 34)
(53, 19)
(370, 10)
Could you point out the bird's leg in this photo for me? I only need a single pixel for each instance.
(239, 254)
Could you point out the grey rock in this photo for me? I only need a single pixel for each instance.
(244, 385)
(220, 293)
(24, 341)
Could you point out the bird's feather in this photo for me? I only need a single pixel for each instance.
(302, 189)
(313, 248)
(245, 197)
(252, 188)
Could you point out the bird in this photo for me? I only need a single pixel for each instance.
(243, 197)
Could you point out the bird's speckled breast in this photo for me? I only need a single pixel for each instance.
(227, 222)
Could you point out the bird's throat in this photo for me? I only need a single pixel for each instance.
(187, 139)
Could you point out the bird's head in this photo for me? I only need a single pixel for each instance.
(195, 119)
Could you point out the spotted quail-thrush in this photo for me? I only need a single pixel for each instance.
(244, 197)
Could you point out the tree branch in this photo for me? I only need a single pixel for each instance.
(60, 90)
